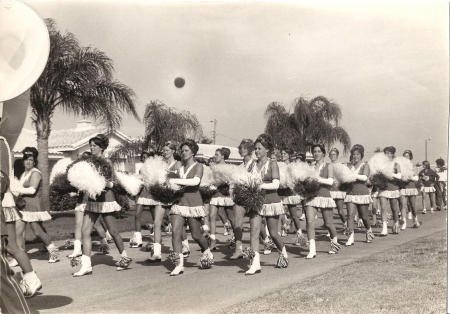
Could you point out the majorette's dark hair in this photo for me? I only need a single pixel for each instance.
(171, 145)
(302, 157)
(426, 164)
(390, 149)
(409, 153)
(321, 146)
(288, 150)
(225, 152)
(192, 146)
(100, 140)
(359, 148)
(31, 151)
(86, 155)
(247, 144)
(266, 141)
(334, 149)
(147, 154)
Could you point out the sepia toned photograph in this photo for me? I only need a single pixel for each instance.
(224, 157)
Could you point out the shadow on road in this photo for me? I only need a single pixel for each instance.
(45, 302)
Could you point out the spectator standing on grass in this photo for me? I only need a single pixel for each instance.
(103, 205)
(428, 179)
(441, 185)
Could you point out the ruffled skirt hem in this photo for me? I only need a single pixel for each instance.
(292, 200)
(103, 207)
(389, 194)
(409, 192)
(11, 214)
(148, 202)
(427, 189)
(273, 209)
(80, 207)
(35, 216)
(321, 202)
(338, 195)
(221, 201)
(358, 199)
(188, 211)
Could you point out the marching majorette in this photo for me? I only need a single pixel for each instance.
(189, 207)
(104, 205)
(322, 201)
(408, 195)
(272, 208)
(358, 198)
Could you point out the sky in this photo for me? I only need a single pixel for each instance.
(386, 64)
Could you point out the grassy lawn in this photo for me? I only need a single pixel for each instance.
(408, 279)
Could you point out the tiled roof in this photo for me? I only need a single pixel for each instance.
(68, 139)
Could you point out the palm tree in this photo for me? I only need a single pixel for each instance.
(163, 123)
(311, 121)
(78, 80)
(125, 152)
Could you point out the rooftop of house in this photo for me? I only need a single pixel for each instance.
(63, 140)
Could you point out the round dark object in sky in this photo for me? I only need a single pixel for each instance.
(179, 82)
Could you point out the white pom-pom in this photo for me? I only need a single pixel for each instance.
(299, 172)
(86, 178)
(382, 164)
(154, 171)
(342, 174)
(406, 167)
(223, 173)
(60, 167)
(130, 182)
(14, 184)
(207, 176)
(241, 175)
(282, 167)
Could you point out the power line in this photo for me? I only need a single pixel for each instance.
(228, 137)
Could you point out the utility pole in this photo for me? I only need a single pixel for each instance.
(214, 132)
(426, 150)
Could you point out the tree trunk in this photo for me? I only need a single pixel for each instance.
(43, 132)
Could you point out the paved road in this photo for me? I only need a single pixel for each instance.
(148, 287)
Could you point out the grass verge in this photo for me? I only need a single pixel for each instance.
(62, 226)
(407, 279)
